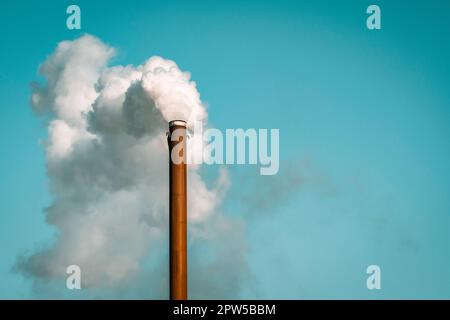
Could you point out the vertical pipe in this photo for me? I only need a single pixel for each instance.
(178, 210)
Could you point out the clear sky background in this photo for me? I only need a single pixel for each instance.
(364, 119)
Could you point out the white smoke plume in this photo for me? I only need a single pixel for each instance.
(107, 163)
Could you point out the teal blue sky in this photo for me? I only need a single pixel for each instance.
(364, 119)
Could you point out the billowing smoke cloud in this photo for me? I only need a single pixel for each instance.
(107, 164)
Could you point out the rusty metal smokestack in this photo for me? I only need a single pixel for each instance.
(178, 210)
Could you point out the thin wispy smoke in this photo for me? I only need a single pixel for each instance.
(107, 163)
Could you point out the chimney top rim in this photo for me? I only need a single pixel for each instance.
(181, 123)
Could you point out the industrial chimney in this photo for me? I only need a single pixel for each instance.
(178, 209)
